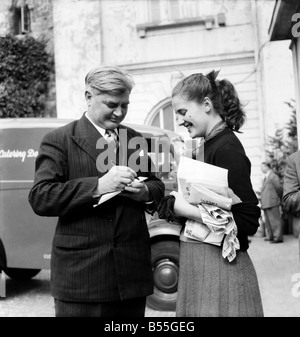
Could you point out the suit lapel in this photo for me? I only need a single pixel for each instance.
(86, 137)
(264, 183)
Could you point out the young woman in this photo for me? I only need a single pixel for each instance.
(210, 285)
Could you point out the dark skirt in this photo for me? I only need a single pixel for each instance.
(211, 286)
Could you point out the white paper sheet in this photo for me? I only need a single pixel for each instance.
(110, 195)
(199, 193)
(192, 171)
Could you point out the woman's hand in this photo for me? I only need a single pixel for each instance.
(181, 206)
(184, 209)
(233, 196)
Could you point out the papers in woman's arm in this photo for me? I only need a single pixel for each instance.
(204, 183)
(198, 173)
(206, 186)
(215, 224)
(200, 232)
(201, 194)
(217, 219)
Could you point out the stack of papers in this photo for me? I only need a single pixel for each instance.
(216, 219)
(206, 186)
(198, 231)
(195, 172)
(216, 224)
(201, 194)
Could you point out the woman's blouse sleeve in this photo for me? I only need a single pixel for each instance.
(246, 213)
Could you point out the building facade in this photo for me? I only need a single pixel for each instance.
(160, 42)
(285, 26)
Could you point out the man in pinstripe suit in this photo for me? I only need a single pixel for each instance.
(101, 258)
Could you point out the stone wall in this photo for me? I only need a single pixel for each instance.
(4, 17)
(88, 33)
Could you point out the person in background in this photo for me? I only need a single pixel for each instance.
(210, 285)
(271, 194)
(291, 191)
(101, 256)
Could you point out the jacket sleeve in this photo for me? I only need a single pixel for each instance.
(155, 186)
(277, 185)
(247, 213)
(291, 188)
(52, 193)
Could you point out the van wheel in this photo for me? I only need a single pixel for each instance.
(21, 274)
(165, 266)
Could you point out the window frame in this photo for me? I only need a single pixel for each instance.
(165, 23)
(21, 20)
(172, 10)
(158, 109)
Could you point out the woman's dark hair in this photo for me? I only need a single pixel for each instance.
(221, 93)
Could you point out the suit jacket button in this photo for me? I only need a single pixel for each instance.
(115, 244)
(109, 218)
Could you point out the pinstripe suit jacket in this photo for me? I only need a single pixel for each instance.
(291, 184)
(98, 253)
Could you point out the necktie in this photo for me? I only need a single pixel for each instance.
(112, 137)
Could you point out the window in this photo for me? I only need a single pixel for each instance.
(165, 118)
(21, 20)
(172, 10)
(165, 14)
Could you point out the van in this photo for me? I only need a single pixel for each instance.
(26, 238)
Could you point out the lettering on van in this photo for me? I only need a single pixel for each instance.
(17, 154)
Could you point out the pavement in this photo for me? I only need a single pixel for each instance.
(277, 267)
(278, 271)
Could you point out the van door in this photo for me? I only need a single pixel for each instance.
(26, 238)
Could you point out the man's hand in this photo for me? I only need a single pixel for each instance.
(116, 179)
(137, 191)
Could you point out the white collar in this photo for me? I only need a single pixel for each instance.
(101, 130)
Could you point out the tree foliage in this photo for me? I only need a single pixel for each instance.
(25, 69)
(283, 143)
